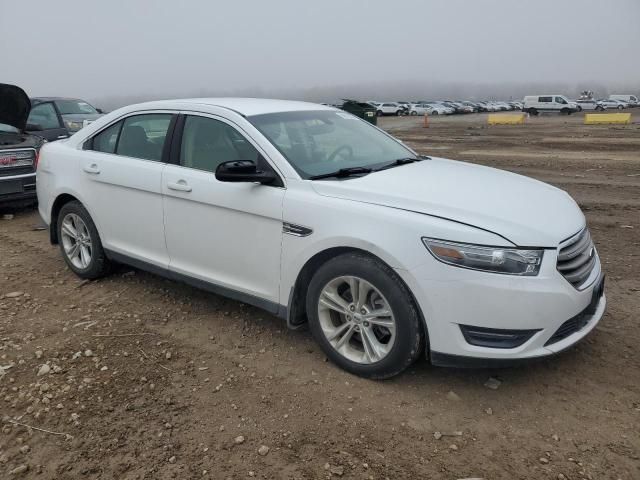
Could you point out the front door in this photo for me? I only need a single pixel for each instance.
(225, 234)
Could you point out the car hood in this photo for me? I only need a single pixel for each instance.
(14, 106)
(10, 141)
(525, 211)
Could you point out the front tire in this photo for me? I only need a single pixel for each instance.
(80, 243)
(363, 316)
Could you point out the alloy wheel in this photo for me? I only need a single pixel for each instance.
(356, 319)
(76, 241)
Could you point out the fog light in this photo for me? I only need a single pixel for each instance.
(495, 337)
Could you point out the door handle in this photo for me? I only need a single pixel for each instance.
(93, 169)
(180, 186)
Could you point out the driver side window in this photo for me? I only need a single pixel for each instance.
(206, 143)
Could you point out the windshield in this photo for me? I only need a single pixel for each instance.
(319, 142)
(8, 128)
(75, 107)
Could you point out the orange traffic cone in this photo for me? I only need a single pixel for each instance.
(426, 120)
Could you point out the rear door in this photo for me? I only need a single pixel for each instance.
(122, 167)
(225, 234)
(50, 124)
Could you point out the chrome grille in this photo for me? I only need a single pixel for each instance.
(16, 162)
(577, 258)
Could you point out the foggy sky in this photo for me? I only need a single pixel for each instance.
(146, 48)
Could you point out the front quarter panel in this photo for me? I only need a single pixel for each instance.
(393, 235)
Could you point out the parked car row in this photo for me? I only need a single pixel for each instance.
(441, 107)
(532, 104)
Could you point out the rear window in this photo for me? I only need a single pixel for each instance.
(545, 99)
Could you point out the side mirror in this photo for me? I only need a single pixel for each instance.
(243, 171)
(99, 110)
(33, 127)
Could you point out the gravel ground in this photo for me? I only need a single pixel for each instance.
(137, 377)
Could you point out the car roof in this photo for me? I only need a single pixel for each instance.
(52, 99)
(244, 106)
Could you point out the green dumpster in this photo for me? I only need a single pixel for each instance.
(361, 109)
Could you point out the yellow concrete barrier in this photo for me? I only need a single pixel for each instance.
(506, 119)
(607, 118)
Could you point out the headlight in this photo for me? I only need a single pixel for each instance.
(72, 126)
(511, 261)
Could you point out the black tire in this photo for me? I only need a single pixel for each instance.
(398, 113)
(410, 338)
(620, 107)
(565, 111)
(414, 113)
(99, 265)
(600, 109)
(379, 113)
(533, 111)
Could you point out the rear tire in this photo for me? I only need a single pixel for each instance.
(80, 243)
(333, 311)
(620, 107)
(379, 113)
(533, 111)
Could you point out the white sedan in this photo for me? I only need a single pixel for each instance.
(612, 104)
(319, 217)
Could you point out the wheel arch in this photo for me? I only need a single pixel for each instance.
(60, 201)
(62, 198)
(296, 308)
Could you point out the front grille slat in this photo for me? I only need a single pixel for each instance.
(573, 250)
(577, 259)
(580, 275)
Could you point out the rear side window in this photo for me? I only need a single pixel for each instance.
(143, 136)
(545, 99)
(107, 140)
(206, 143)
(44, 115)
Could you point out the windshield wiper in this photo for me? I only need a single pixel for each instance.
(343, 172)
(401, 161)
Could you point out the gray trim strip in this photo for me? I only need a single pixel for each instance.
(269, 306)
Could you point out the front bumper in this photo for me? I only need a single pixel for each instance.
(17, 187)
(449, 297)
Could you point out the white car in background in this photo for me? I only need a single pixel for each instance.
(587, 105)
(424, 108)
(389, 108)
(440, 109)
(612, 104)
(535, 104)
(317, 216)
(631, 100)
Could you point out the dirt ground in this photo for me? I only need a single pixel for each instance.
(150, 379)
